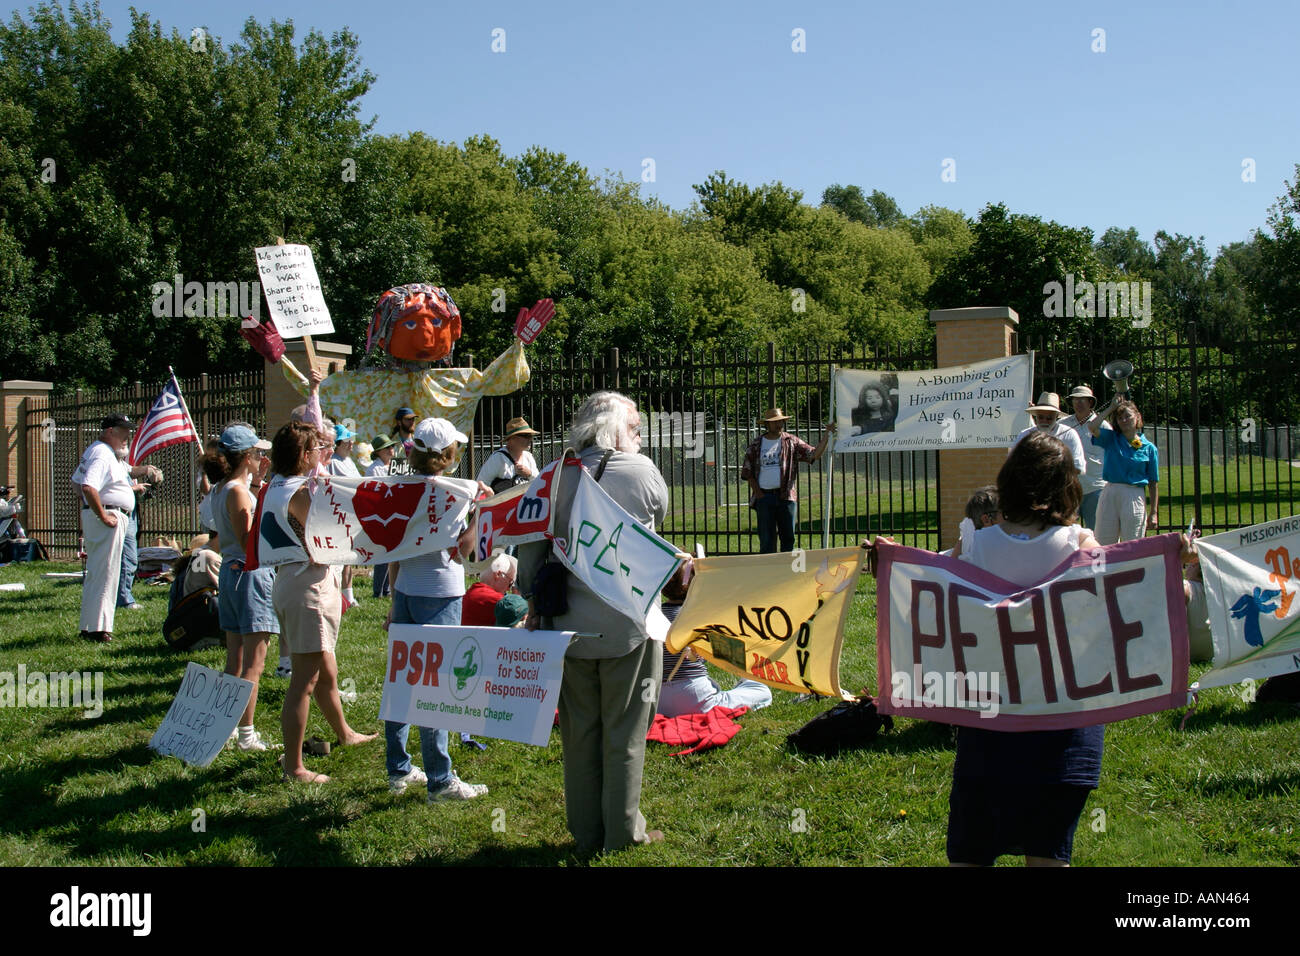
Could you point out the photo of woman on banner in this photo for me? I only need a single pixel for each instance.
(877, 406)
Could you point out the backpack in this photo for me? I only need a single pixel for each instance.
(505, 484)
(415, 323)
(846, 726)
(191, 619)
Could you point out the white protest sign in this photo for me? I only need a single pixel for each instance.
(623, 563)
(493, 681)
(293, 290)
(1251, 579)
(200, 719)
(982, 405)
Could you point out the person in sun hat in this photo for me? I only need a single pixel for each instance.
(513, 462)
(103, 481)
(1047, 418)
(1084, 402)
(770, 470)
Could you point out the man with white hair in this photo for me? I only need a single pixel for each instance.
(611, 676)
(1046, 415)
(478, 607)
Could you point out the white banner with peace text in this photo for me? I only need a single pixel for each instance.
(1102, 637)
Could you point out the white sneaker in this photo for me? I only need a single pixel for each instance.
(457, 789)
(398, 782)
(283, 671)
(256, 743)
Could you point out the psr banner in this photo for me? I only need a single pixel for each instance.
(1101, 638)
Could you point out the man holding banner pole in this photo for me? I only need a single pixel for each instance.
(770, 468)
(611, 678)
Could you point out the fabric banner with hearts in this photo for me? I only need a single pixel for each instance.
(519, 515)
(378, 520)
(775, 618)
(1251, 577)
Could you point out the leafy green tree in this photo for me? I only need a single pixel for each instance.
(1278, 282)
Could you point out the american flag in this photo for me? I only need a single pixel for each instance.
(167, 423)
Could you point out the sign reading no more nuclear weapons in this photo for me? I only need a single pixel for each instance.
(493, 681)
(293, 291)
(206, 709)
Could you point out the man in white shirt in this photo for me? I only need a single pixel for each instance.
(512, 463)
(1046, 415)
(107, 499)
(1083, 402)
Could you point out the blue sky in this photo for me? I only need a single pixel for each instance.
(1150, 133)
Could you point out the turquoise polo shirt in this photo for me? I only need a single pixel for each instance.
(1125, 464)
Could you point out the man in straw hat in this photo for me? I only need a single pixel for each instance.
(512, 463)
(1047, 418)
(770, 470)
(1084, 403)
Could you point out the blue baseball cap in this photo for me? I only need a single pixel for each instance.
(242, 438)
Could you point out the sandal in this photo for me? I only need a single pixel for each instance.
(315, 747)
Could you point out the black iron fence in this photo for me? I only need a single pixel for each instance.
(1223, 419)
(59, 430)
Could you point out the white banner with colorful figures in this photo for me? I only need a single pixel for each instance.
(982, 405)
(380, 520)
(493, 681)
(1102, 637)
(1251, 578)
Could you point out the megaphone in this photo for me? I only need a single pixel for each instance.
(1119, 371)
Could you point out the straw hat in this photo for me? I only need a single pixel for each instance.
(1047, 402)
(775, 415)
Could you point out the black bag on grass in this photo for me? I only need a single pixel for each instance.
(846, 726)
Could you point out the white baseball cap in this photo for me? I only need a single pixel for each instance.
(436, 434)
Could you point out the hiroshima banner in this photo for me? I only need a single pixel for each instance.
(493, 681)
(1102, 637)
(1251, 577)
(965, 406)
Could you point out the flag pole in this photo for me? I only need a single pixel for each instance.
(198, 439)
(830, 469)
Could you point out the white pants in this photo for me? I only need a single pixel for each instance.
(1121, 513)
(702, 695)
(103, 568)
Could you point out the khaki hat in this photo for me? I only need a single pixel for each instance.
(1047, 402)
(1082, 391)
(518, 426)
(775, 415)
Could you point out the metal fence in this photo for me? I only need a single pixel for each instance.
(1223, 419)
(701, 409)
(59, 430)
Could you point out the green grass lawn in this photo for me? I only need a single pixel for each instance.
(88, 791)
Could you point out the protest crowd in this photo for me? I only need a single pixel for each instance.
(289, 522)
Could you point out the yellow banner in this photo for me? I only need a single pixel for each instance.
(775, 618)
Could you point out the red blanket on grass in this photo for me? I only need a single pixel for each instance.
(711, 729)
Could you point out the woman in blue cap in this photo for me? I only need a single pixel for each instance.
(243, 597)
(342, 465)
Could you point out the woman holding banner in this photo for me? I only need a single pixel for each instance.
(1023, 793)
(306, 598)
(428, 590)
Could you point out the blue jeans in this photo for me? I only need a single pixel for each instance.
(130, 561)
(413, 609)
(776, 518)
(379, 574)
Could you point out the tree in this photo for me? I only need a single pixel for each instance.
(1122, 250)
(1278, 283)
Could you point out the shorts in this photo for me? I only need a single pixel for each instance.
(310, 606)
(988, 820)
(244, 599)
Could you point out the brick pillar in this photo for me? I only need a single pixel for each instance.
(963, 337)
(17, 467)
(281, 398)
